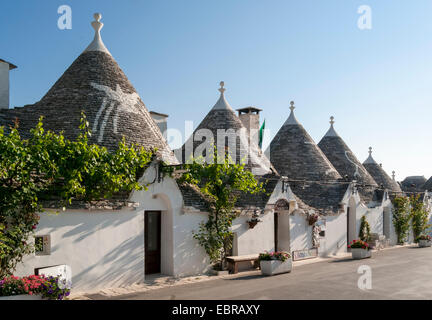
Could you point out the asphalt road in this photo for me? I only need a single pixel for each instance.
(402, 273)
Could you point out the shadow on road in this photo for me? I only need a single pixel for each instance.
(342, 260)
(252, 277)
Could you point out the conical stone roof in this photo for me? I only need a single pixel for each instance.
(428, 185)
(416, 184)
(221, 126)
(95, 84)
(294, 154)
(343, 159)
(379, 175)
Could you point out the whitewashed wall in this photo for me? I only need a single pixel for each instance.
(103, 248)
(300, 232)
(335, 241)
(256, 240)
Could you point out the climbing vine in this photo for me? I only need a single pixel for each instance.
(419, 216)
(49, 166)
(401, 218)
(221, 183)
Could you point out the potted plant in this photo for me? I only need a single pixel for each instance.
(275, 263)
(424, 240)
(360, 249)
(33, 287)
(312, 218)
(253, 222)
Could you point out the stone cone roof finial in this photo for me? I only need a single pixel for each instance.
(222, 89)
(292, 119)
(331, 132)
(370, 160)
(222, 103)
(97, 43)
(394, 175)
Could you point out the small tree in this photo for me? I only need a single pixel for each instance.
(221, 182)
(47, 165)
(419, 216)
(401, 218)
(364, 233)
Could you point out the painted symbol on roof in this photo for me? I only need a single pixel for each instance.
(114, 99)
(356, 173)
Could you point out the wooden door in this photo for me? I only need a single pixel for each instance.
(152, 242)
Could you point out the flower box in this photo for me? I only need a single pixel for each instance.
(424, 243)
(359, 253)
(22, 297)
(271, 267)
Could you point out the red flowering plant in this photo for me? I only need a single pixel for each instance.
(11, 286)
(424, 237)
(358, 244)
(52, 288)
(277, 255)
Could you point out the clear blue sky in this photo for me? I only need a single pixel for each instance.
(377, 83)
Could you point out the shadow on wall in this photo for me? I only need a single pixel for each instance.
(103, 249)
(83, 231)
(300, 233)
(189, 257)
(123, 265)
(343, 248)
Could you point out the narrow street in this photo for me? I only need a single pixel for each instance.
(402, 273)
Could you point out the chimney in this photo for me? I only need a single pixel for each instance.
(161, 121)
(249, 116)
(5, 67)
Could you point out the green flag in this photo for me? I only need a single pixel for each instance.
(261, 134)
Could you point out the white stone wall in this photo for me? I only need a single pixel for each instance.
(334, 242)
(300, 232)
(256, 240)
(103, 248)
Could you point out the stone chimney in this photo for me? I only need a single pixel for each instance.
(249, 116)
(161, 121)
(5, 67)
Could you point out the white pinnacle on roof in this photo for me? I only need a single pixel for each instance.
(370, 159)
(291, 119)
(222, 104)
(331, 132)
(97, 43)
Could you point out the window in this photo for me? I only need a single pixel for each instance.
(42, 245)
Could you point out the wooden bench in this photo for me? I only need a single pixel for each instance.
(233, 261)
